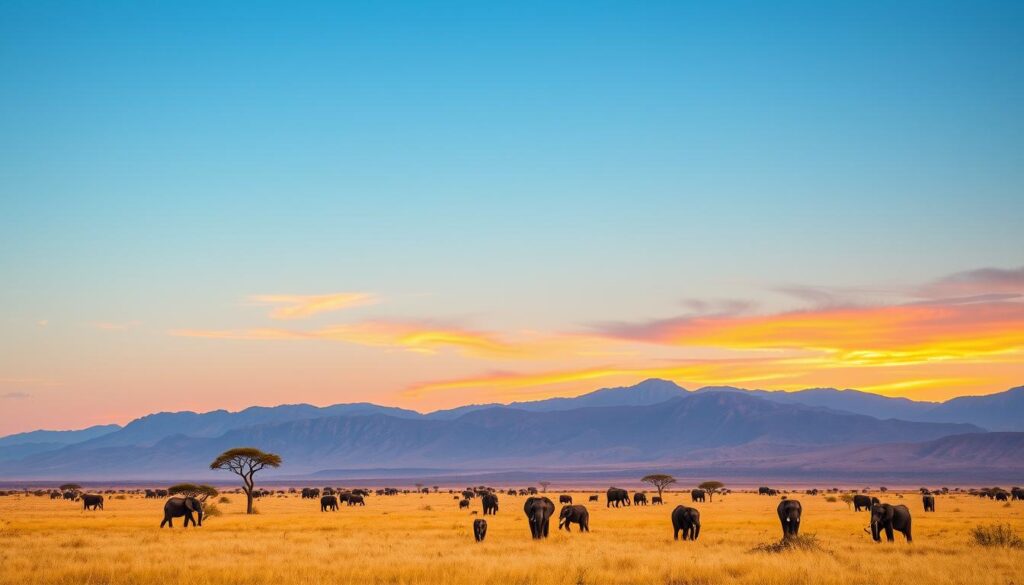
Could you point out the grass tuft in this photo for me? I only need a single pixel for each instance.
(998, 535)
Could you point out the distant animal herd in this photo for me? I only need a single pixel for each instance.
(539, 509)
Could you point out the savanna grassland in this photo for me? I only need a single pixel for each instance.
(426, 539)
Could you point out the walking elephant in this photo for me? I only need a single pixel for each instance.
(578, 514)
(564, 499)
(686, 520)
(889, 518)
(862, 502)
(191, 508)
(490, 504)
(92, 502)
(538, 513)
(617, 496)
(697, 495)
(329, 503)
(789, 516)
(640, 499)
(479, 529)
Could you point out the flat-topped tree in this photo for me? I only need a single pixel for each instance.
(659, 480)
(70, 487)
(191, 490)
(544, 485)
(711, 487)
(245, 462)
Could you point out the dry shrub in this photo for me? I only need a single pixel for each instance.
(224, 500)
(831, 499)
(803, 542)
(211, 511)
(998, 535)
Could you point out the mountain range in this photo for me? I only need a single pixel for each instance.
(653, 424)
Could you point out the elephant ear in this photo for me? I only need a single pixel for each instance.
(190, 504)
(889, 512)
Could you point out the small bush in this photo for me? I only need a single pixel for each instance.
(831, 499)
(224, 500)
(426, 508)
(211, 511)
(804, 542)
(998, 535)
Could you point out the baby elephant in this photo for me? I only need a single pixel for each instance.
(479, 529)
(577, 514)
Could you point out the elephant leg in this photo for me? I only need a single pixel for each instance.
(167, 521)
(888, 533)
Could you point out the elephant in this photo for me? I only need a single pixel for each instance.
(354, 500)
(764, 491)
(70, 495)
(929, 503)
(617, 496)
(595, 498)
(177, 507)
(687, 520)
(564, 499)
(463, 504)
(479, 529)
(697, 495)
(55, 495)
(862, 502)
(1017, 493)
(92, 502)
(578, 514)
(538, 512)
(329, 503)
(640, 499)
(789, 516)
(656, 501)
(889, 518)
(490, 504)
(1002, 496)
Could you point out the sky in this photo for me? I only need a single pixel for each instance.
(217, 205)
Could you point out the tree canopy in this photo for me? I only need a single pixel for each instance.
(70, 487)
(659, 480)
(192, 490)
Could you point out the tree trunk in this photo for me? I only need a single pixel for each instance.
(248, 494)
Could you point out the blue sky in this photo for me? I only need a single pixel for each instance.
(532, 166)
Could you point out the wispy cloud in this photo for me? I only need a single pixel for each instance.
(419, 336)
(980, 282)
(15, 395)
(110, 326)
(303, 306)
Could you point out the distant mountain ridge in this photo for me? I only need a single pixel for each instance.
(655, 421)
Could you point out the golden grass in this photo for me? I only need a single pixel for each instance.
(427, 539)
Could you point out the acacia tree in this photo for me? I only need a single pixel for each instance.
(245, 462)
(544, 485)
(70, 487)
(659, 480)
(711, 487)
(191, 490)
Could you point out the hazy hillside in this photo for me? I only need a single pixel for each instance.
(500, 437)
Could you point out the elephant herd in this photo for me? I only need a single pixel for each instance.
(686, 522)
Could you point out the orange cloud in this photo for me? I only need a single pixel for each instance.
(303, 306)
(873, 336)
